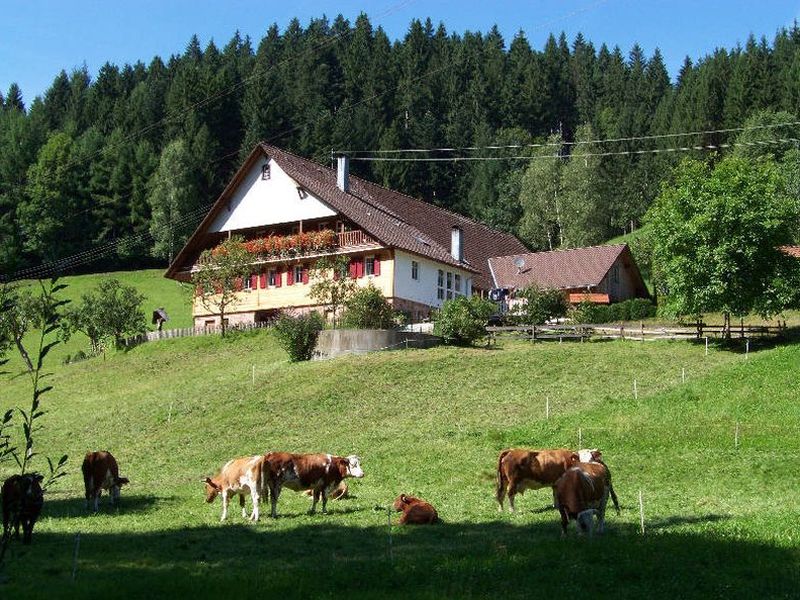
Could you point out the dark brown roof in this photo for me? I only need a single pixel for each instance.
(559, 269)
(395, 219)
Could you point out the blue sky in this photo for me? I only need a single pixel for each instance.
(38, 38)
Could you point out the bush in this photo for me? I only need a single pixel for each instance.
(462, 321)
(298, 335)
(540, 305)
(629, 310)
(367, 308)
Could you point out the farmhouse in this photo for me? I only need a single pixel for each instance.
(601, 274)
(292, 211)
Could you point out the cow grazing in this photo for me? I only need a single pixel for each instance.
(594, 455)
(101, 472)
(320, 473)
(520, 470)
(23, 498)
(238, 477)
(582, 492)
(415, 511)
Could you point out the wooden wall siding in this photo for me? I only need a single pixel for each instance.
(625, 289)
(296, 295)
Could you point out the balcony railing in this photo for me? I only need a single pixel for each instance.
(349, 239)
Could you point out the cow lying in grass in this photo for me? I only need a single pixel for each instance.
(236, 478)
(520, 470)
(101, 472)
(415, 511)
(320, 473)
(582, 492)
(23, 498)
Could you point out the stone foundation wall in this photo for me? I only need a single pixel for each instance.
(336, 342)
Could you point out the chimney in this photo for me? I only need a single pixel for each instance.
(343, 173)
(457, 244)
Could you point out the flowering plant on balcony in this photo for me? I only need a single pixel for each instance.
(286, 246)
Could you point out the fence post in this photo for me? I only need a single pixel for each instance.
(736, 435)
(747, 348)
(706, 345)
(635, 391)
(547, 409)
(641, 512)
(580, 438)
(683, 375)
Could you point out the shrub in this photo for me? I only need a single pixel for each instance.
(540, 305)
(462, 321)
(629, 310)
(367, 308)
(298, 335)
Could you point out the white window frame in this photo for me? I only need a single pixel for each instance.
(272, 277)
(414, 270)
(298, 274)
(369, 266)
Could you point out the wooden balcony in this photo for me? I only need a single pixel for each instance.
(354, 239)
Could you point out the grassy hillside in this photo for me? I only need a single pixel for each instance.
(720, 520)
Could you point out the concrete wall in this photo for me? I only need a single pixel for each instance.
(258, 202)
(336, 342)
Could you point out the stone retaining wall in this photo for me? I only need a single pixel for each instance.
(336, 342)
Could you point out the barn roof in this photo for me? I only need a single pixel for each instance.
(395, 219)
(559, 269)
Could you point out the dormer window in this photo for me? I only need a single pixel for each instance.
(301, 192)
(265, 174)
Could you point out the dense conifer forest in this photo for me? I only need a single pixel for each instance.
(115, 169)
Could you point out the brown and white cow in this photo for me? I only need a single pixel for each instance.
(582, 492)
(101, 472)
(320, 473)
(238, 477)
(23, 498)
(415, 511)
(593, 455)
(520, 470)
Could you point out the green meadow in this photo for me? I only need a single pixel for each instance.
(720, 512)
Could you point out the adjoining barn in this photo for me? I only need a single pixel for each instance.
(599, 274)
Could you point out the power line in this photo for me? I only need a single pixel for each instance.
(573, 143)
(706, 147)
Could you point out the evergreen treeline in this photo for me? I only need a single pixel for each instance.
(137, 152)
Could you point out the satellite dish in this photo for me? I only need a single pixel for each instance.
(519, 262)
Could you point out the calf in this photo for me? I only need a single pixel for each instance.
(320, 473)
(237, 477)
(415, 511)
(581, 493)
(23, 498)
(340, 492)
(520, 470)
(595, 456)
(101, 472)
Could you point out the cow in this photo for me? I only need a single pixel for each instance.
(237, 477)
(320, 473)
(340, 492)
(520, 470)
(582, 492)
(415, 511)
(101, 472)
(594, 455)
(23, 498)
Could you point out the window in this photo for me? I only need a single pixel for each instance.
(265, 174)
(449, 295)
(440, 293)
(414, 270)
(458, 283)
(440, 285)
(369, 265)
(273, 277)
(247, 283)
(449, 280)
(298, 274)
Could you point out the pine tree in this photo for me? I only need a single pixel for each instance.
(13, 99)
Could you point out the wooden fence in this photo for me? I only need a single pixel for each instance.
(166, 334)
(640, 333)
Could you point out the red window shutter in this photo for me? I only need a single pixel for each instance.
(278, 277)
(360, 268)
(253, 281)
(290, 276)
(377, 267)
(238, 284)
(305, 274)
(264, 280)
(353, 268)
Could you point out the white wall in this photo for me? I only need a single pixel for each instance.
(258, 202)
(424, 289)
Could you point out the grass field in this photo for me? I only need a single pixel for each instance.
(721, 521)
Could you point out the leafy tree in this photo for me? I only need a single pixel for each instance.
(298, 335)
(583, 217)
(367, 308)
(716, 237)
(541, 197)
(218, 280)
(331, 284)
(112, 311)
(462, 321)
(540, 305)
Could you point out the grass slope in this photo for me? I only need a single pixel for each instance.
(720, 520)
